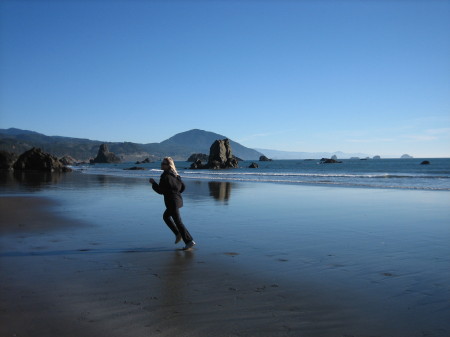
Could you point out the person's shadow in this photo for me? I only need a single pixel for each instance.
(176, 277)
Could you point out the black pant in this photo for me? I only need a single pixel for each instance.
(173, 220)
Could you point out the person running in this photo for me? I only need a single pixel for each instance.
(171, 186)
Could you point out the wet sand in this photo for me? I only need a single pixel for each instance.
(62, 276)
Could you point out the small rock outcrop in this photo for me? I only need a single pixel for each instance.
(135, 168)
(425, 162)
(37, 160)
(7, 160)
(105, 157)
(145, 161)
(67, 160)
(198, 165)
(198, 156)
(264, 158)
(329, 161)
(253, 165)
(220, 157)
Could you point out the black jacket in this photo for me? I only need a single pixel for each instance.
(171, 186)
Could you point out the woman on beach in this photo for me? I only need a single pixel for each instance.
(171, 186)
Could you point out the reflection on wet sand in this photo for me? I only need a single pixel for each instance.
(29, 180)
(220, 190)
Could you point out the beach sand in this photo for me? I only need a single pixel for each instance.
(68, 273)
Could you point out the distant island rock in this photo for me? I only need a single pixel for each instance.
(264, 158)
(104, 156)
(376, 157)
(406, 156)
(329, 161)
(145, 161)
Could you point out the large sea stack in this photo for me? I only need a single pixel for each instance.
(105, 157)
(220, 157)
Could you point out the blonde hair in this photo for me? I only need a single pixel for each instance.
(171, 163)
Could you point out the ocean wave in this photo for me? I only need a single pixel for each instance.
(319, 175)
(392, 180)
(324, 182)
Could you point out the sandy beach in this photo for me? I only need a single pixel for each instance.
(92, 257)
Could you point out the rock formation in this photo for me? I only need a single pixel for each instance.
(7, 160)
(198, 156)
(264, 158)
(198, 165)
(220, 157)
(145, 161)
(425, 162)
(329, 161)
(104, 156)
(67, 160)
(36, 159)
(253, 165)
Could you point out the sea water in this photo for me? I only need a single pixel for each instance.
(382, 173)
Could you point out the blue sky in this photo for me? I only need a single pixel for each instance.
(353, 76)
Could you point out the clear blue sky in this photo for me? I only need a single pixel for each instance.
(352, 76)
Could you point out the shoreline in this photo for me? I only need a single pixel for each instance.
(103, 264)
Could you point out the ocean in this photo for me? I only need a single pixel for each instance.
(371, 173)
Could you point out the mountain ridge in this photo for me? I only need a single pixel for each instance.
(178, 146)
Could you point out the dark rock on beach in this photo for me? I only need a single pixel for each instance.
(37, 160)
(105, 157)
(7, 160)
(135, 168)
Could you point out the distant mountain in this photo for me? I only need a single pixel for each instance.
(180, 146)
(200, 141)
(275, 154)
